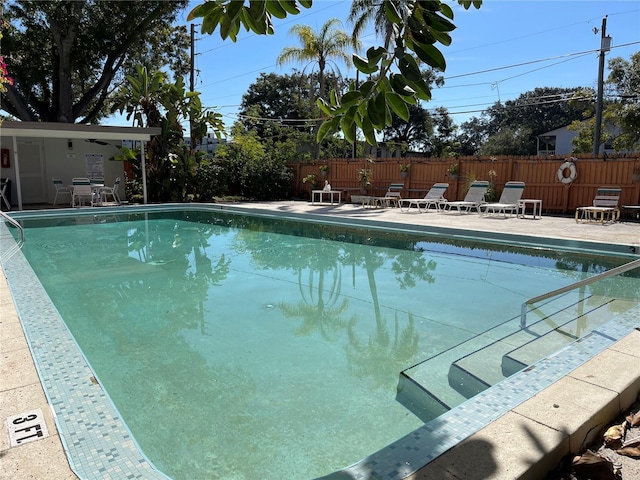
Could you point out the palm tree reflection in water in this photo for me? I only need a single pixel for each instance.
(385, 353)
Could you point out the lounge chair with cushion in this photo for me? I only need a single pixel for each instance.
(604, 208)
(392, 197)
(472, 200)
(509, 200)
(434, 197)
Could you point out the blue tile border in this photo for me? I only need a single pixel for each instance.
(428, 442)
(96, 441)
(99, 445)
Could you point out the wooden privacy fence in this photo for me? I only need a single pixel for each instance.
(540, 174)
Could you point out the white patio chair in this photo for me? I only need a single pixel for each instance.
(81, 192)
(473, 199)
(105, 192)
(61, 189)
(604, 209)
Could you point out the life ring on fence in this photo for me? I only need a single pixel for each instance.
(571, 176)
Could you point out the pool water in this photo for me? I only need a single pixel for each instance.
(243, 347)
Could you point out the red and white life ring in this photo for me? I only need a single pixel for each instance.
(569, 176)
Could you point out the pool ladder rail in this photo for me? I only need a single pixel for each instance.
(7, 253)
(587, 281)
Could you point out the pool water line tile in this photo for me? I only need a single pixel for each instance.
(96, 441)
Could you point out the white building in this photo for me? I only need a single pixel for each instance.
(209, 144)
(558, 142)
(35, 152)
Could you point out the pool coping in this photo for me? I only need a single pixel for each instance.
(401, 459)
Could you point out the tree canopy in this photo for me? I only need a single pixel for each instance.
(512, 127)
(416, 31)
(624, 111)
(66, 57)
(281, 110)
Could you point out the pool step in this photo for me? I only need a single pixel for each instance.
(531, 352)
(424, 388)
(479, 370)
(427, 389)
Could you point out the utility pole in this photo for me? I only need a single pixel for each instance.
(192, 85)
(605, 46)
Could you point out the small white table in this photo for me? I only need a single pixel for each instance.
(322, 193)
(634, 209)
(536, 204)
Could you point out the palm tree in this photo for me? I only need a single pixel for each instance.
(321, 48)
(364, 11)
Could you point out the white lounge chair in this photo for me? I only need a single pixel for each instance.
(604, 208)
(509, 200)
(434, 197)
(473, 199)
(391, 197)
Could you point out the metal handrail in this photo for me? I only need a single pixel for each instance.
(15, 224)
(609, 273)
(7, 253)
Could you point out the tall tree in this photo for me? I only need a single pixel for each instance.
(443, 141)
(151, 100)
(363, 12)
(320, 48)
(66, 57)
(287, 99)
(508, 141)
(398, 82)
(535, 112)
(624, 112)
(472, 135)
(412, 134)
(281, 109)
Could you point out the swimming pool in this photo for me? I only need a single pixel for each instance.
(361, 301)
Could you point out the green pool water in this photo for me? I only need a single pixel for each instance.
(243, 347)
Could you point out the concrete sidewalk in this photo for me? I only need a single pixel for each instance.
(625, 232)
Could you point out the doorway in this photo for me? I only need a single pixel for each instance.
(32, 184)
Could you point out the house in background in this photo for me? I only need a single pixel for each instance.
(35, 152)
(208, 144)
(558, 142)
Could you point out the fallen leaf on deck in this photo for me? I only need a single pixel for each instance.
(629, 451)
(593, 466)
(614, 436)
(634, 420)
(630, 448)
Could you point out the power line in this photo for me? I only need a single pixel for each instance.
(469, 74)
(531, 62)
(434, 111)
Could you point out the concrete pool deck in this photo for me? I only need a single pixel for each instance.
(524, 443)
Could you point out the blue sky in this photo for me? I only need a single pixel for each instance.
(500, 34)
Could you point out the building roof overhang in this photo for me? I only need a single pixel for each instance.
(75, 131)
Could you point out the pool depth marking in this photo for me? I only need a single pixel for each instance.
(26, 427)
